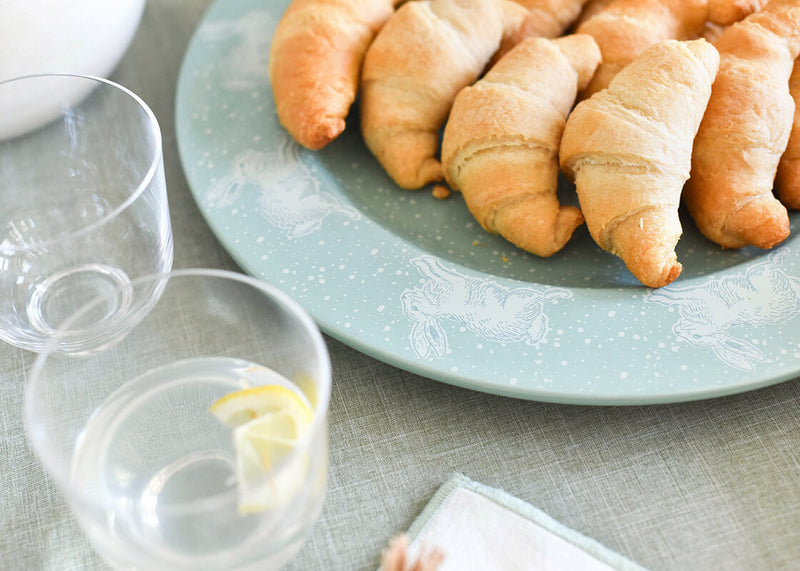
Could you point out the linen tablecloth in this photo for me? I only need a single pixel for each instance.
(705, 485)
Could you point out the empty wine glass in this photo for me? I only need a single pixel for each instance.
(83, 206)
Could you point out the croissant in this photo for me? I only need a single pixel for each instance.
(745, 131)
(315, 61)
(726, 12)
(591, 8)
(420, 60)
(787, 179)
(628, 148)
(515, 18)
(500, 143)
(550, 18)
(625, 28)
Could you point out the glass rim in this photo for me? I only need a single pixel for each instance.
(155, 162)
(60, 473)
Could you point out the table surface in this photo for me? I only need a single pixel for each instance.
(705, 485)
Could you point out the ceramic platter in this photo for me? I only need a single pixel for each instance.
(415, 282)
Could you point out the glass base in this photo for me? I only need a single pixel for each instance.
(64, 292)
(60, 295)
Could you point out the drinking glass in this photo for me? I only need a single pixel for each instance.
(83, 206)
(127, 431)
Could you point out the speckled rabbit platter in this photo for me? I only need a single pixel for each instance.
(415, 282)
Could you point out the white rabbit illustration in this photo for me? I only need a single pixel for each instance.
(764, 295)
(495, 312)
(289, 196)
(245, 65)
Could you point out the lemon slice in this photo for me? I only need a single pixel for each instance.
(240, 407)
(269, 421)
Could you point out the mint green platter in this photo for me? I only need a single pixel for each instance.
(415, 282)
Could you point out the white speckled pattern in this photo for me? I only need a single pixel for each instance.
(415, 282)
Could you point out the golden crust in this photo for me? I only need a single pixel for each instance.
(625, 28)
(315, 63)
(501, 141)
(745, 131)
(629, 148)
(425, 54)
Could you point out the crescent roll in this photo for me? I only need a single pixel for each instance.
(625, 28)
(424, 55)
(787, 179)
(500, 144)
(629, 147)
(745, 131)
(315, 62)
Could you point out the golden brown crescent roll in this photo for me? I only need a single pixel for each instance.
(787, 180)
(591, 8)
(420, 60)
(629, 147)
(315, 61)
(726, 12)
(500, 144)
(625, 28)
(516, 27)
(745, 131)
(550, 18)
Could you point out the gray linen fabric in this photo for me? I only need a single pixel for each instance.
(704, 485)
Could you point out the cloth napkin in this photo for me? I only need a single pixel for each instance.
(482, 528)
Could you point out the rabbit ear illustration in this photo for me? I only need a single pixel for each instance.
(428, 336)
(735, 352)
(537, 329)
(304, 228)
(289, 150)
(426, 266)
(224, 192)
(419, 342)
(671, 296)
(436, 337)
(553, 294)
(349, 212)
(777, 255)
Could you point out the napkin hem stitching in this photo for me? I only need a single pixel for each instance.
(523, 509)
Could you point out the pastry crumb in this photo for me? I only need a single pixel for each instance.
(440, 191)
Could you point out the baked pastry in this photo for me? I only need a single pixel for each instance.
(500, 145)
(625, 28)
(745, 131)
(726, 12)
(550, 18)
(424, 55)
(787, 179)
(628, 148)
(315, 62)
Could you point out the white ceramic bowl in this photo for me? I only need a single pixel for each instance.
(87, 37)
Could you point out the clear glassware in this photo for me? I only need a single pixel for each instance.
(83, 205)
(127, 433)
